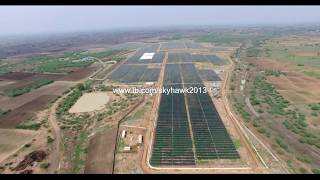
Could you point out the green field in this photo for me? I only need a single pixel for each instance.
(29, 87)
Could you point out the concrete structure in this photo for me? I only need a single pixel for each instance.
(127, 149)
(123, 134)
(140, 139)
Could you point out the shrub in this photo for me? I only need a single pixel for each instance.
(316, 171)
(49, 139)
(44, 165)
(281, 144)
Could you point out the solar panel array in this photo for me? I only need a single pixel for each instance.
(209, 75)
(135, 73)
(192, 45)
(211, 138)
(173, 141)
(173, 45)
(187, 57)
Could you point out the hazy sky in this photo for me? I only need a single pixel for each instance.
(34, 19)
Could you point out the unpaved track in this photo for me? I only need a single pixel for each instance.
(251, 107)
(55, 161)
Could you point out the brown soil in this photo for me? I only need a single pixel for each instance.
(100, 153)
(297, 88)
(79, 74)
(25, 111)
(56, 88)
(12, 140)
(35, 156)
(16, 76)
(30, 76)
(263, 64)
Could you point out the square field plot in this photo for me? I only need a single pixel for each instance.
(134, 74)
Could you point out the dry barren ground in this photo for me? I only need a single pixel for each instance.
(13, 140)
(100, 152)
(90, 102)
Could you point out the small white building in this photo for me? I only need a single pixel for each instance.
(147, 56)
(140, 139)
(127, 149)
(123, 134)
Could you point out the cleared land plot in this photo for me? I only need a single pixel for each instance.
(307, 91)
(16, 75)
(187, 57)
(90, 102)
(133, 74)
(209, 75)
(173, 144)
(135, 59)
(26, 111)
(12, 140)
(79, 74)
(100, 153)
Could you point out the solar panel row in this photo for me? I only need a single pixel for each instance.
(172, 142)
(187, 57)
(135, 73)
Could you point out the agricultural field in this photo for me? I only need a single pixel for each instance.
(284, 98)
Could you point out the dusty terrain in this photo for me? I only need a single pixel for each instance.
(13, 140)
(90, 102)
(100, 152)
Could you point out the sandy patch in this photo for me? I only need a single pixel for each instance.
(12, 140)
(90, 102)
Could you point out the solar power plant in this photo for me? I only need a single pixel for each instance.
(173, 45)
(211, 138)
(135, 59)
(192, 45)
(133, 74)
(173, 141)
(187, 57)
(209, 75)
